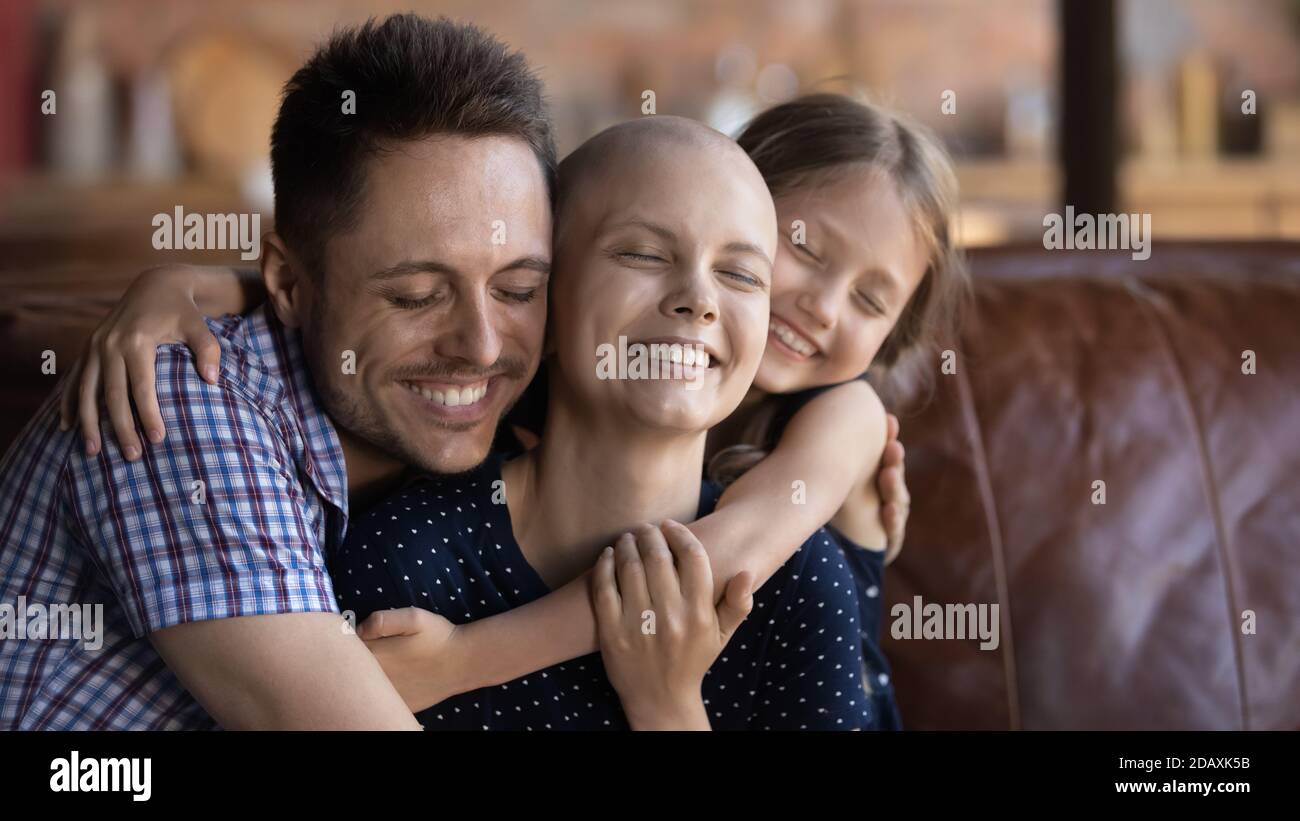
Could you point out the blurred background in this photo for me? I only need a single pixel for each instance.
(159, 104)
(1076, 365)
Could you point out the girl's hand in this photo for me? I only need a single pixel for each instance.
(658, 627)
(895, 501)
(419, 652)
(158, 308)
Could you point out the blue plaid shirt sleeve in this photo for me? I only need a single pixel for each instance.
(218, 520)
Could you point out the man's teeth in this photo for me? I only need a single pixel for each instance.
(789, 337)
(452, 397)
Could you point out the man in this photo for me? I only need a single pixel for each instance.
(406, 311)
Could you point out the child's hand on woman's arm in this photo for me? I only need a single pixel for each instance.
(423, 654)
(895, 500)
(165, 304)
(756, 528)
(658, 626)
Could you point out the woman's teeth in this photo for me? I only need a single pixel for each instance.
(796, 342)
(452, 397)
(682, 355)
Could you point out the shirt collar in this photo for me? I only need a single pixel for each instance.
(280, 348)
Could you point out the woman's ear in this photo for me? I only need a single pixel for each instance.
(283, 280)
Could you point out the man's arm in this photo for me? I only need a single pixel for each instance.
(210, 545)
(290, 671)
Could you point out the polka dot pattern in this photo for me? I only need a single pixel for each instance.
(441, 543)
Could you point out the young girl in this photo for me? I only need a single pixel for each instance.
(867, 276)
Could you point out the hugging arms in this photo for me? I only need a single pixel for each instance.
(429, 659)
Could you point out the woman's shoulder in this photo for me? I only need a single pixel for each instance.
(815, 577)
(441, 496)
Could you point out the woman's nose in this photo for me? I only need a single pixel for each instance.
(695, 297)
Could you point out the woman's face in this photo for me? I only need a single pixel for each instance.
(849, 260)
(671, 249)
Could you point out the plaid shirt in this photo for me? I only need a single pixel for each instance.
(232, 515)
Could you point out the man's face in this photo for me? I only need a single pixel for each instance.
(438, 295)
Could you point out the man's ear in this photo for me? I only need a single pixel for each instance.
(284, 280)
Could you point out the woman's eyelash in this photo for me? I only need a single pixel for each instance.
(746, 278)
(639, 257)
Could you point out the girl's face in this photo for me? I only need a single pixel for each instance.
(848, 262)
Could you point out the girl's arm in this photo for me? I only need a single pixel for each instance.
(829, 446)
(162, 305)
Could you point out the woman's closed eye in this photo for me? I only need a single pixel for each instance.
(748, 280)
(639, 256)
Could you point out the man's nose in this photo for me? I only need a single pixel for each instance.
(470, 335)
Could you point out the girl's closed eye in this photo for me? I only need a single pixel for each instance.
(872, 304)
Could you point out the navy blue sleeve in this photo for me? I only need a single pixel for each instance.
(813, 665)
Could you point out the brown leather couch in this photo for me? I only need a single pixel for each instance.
(1075, 367)
(1079, 367)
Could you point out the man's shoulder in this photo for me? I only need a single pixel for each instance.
(258, 360)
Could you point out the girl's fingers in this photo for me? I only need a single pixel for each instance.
(88, 403)
(694, 574)
(631, 577)
(140, 362)
(605, 600)
(889, 518)
(892, 455)
(657, 559)
(891, 427)
(737, 601)
(892, 487)
(207, 351)
(118, 399)
(400, 621)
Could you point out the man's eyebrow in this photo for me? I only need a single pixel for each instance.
(413, 266)
(428, 266)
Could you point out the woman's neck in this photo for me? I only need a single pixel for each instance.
(731, 431)
(591, 479)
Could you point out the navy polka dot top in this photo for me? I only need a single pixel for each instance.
(442, 544)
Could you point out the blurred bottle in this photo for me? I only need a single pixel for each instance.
(152, 151)
(81, 130)
(1198, 108)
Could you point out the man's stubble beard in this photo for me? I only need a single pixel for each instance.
(359, 420)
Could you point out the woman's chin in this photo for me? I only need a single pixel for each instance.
(672, 408)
